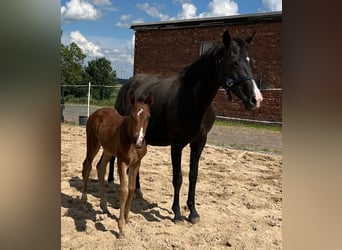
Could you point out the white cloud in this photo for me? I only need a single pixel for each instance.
(152, 11)
(188, 11)
(124, 21)
(89, 48)
(119, 52)
(79, 10)
(101, 2)
(122, 24)
(139, 20)
(221, 8)
(125, 17)
(214, 8)
(273, 5)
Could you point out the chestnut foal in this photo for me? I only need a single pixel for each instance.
(123, 137)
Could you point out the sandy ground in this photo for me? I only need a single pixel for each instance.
(239, 199)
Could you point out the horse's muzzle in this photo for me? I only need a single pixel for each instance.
(138, 142)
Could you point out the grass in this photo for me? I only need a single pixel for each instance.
(101, 103)
(257, 125)
(244, 147)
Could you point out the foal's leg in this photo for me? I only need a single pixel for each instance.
(101, 171)
(195, 153)
(122, 169)
(132, 175)
(176, 157)
(92, 150)
(111, 170)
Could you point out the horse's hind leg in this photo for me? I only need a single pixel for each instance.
(101, 171)
(91, 152)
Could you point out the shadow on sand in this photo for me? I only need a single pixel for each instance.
(80, 212)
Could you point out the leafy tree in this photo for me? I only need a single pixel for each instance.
(101, 73)
(72, 70)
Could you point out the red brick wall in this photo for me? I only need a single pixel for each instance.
(167, 51)
(269, 111)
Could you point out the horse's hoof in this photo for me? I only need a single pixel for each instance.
(138, 193)
(178, 221)
(194, 220)
(121, 235)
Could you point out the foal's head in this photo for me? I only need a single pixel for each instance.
(140, 114)
(236, 64)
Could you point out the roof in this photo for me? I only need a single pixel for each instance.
(211, 21)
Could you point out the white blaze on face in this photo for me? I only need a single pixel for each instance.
(248, 59)
(141, 131)
(140, 111)
(258, 96)
(140, 137)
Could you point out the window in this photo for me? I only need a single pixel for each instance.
(206, 45)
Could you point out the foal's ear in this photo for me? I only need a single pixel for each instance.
(226, 39)
(149, 100)
(132, 98)
(250, 39)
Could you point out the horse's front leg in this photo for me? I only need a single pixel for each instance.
(122, 169)
(101, 171)
(132, 175)
(177, 179)
(195, 154)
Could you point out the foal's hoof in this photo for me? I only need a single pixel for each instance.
(84, 198)
(194, 220)
(104, 208)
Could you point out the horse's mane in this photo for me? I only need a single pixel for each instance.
(204, 63)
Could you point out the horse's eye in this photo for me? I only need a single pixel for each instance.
(235, 64)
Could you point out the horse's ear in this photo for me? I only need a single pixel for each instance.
(226, 39)
(132, 98)
(149, 100)
(250, 39)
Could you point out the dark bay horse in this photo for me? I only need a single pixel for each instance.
(122, 136)
(182, 112)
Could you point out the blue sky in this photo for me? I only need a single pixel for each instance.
(101, 27)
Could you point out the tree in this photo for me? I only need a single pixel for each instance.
(72, 70)
(101, 73)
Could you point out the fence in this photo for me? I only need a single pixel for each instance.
(76, 109)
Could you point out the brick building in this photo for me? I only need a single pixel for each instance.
(165, 48)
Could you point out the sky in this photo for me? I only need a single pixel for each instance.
(101, 28)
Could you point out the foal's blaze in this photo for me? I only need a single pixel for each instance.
(141, 117)
(123, 137)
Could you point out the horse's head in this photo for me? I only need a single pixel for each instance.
(236, 66)
(140, 114)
